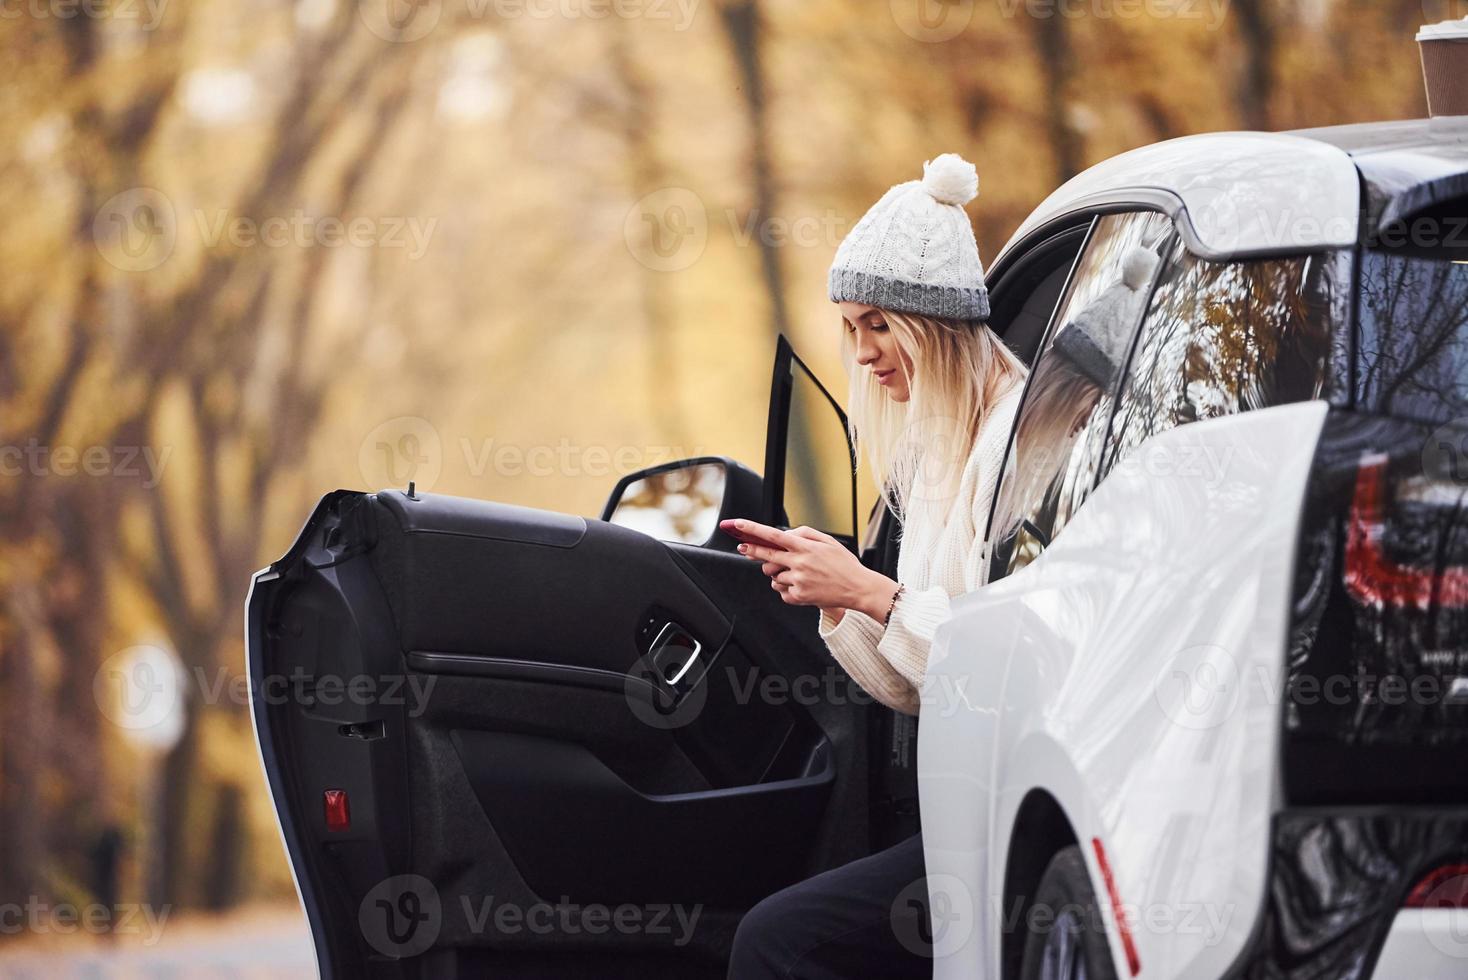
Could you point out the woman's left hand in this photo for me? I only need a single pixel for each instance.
(811, 568)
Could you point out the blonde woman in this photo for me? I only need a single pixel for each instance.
(933, 392)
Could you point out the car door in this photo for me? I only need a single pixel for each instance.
(507, 741)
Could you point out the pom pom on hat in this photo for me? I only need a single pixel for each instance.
(951, 179)
(1138, 267)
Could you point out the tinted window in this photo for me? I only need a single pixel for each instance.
(818, 466)
(1226, 337)
(1061, 429)
(1414, 335)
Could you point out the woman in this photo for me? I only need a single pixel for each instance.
(933, 393)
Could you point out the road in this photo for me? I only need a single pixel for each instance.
(272, 943)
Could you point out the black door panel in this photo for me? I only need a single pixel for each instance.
(518, 744)
(475, 578)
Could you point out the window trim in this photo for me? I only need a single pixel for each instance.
(1025, 393)
(1167, 242)
(1108, 450)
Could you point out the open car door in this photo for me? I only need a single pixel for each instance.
(512, 742)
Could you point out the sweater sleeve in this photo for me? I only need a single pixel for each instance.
(854, 642)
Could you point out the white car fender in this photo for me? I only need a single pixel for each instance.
(1133, 672)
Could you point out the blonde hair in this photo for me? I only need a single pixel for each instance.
(960, 368)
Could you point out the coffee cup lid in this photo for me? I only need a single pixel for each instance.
(1448, 30)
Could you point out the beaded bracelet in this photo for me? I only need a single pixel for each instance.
(893, 605)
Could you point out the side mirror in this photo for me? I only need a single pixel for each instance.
(684, 501)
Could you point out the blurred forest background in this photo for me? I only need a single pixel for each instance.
(255, 250)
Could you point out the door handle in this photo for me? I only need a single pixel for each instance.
(673, 654)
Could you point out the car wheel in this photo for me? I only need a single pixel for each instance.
(1067, 936)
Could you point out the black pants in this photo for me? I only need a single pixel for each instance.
(868, 918)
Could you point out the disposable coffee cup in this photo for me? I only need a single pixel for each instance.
(1445, 67)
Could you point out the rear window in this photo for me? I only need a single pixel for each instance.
(1413, 360)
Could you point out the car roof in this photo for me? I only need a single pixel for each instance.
(1247, 194)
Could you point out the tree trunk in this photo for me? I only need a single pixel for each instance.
(744, 30)
(1052, 43)
(1256, 85)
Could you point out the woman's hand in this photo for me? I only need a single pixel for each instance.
(811, 568)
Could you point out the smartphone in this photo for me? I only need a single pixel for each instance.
(748, 537)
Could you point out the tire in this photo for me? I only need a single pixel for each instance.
(1067, 934)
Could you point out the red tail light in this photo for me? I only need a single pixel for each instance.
(1373, 576)
(1445, 887)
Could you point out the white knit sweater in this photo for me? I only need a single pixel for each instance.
(889, 663)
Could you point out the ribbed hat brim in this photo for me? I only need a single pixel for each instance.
(948, 302)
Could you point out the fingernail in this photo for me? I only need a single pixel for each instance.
(743, 548)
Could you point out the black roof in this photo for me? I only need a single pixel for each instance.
(1406, 166)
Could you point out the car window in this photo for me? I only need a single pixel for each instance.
(1060, 432)
(1414, 333)
(1227, 337)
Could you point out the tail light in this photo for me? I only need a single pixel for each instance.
(1376, 700)
(1444, 887)
(1375, 577)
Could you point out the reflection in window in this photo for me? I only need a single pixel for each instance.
(1414, 336)
(675, 505)
(1226, 337)
(1062, 423)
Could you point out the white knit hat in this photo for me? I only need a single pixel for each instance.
(914, 251)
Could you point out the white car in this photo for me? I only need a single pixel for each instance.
(1207, 719)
